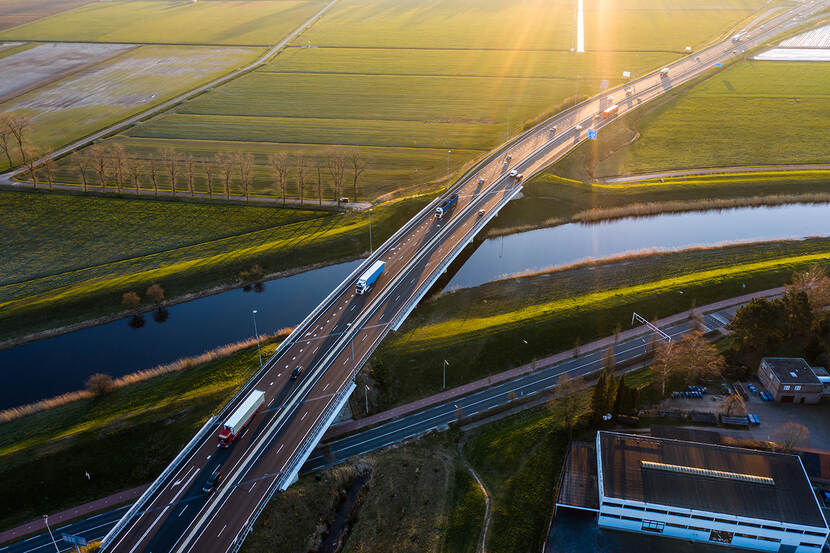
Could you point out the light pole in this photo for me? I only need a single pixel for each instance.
(46, 520)
(370, 231)
(448, 165)
(444, 385)
(367, 398)
(259, 353)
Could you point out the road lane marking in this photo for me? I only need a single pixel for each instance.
(304, 416)
(184, 509)
(252, 487)
(163, 511)
(326, 386)
(222, 530)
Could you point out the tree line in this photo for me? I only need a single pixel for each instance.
(111, 166)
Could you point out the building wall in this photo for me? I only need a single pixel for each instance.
(810, 393)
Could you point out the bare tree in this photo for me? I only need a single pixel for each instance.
(279, 165)
(336, 164)
(734, 405)
(154, 175)
(189, 165)
(49, 170)
(300, 175)
(790, 435)
(130, 300)
(156, 293)
(100, 158)
(133, 169)
(30, 161)
(171, 163)
(225, 162)
(358, 166)
(816, 284)
(6, 137)
(208, 168)
(245, 163)
(318, 164)
(119, 156)
(17, 125)
(82, 162)
(691, 356)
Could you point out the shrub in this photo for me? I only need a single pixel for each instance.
(99, 384)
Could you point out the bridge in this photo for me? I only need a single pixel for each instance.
(340, 334)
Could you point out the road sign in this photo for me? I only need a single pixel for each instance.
(626, 74)
(592, 134)
(719, 64)
(74, 540)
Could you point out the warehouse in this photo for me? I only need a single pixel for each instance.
(710, 493)
(792, 380)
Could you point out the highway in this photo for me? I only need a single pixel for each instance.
(433, 418)
(340, 335)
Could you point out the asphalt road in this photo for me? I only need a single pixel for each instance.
(410, 426)
(344, 330)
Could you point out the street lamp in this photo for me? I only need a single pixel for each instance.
(370, 231)
(448, 165)
(46, 520)
(444, 385)
(258, 351)
(367, 398)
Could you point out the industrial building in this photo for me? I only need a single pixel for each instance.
(792, 380)
(696, 492)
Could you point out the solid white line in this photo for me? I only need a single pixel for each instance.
(175, 498)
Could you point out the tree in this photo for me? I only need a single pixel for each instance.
(208, 168)
(17, 125)
(599, 400)
(336, 164)
(189, 163)
(757, 324)
(99, 384)
(300, 175)
(82, 162)
(130, 300)
(318, 164)
(119, 157)
(691, 357)
(171, 163)
(100, 158)
(816, 284)
(358, 166)
(30, 161)
(245, 163)
(5, 138)
(225, 163)
(569, 401)
(279, 165)
(798, 315)
(154, 176)
(156, 293)
(790, 435)
(734, 405)
(49, 170)
(133, 170)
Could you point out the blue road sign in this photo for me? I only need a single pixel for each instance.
(718, 64)
(592, 134)
(74, 540)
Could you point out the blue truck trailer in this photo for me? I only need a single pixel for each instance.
(446, 205)
(368, 278)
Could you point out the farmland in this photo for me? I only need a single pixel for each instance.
(18, 12)
(247, 23)
(85, 101)
(431, 86)
(753, 113)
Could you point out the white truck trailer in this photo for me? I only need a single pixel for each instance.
(240, 418)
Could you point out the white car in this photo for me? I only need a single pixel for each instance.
(514, 173)
(578, 128)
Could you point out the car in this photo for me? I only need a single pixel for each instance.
(480, 181)
(628, 91)
(520, 176)
(508, 158)
(212, 481)
(344, 200)
(578, 128)
(295, 374)
(552, 129)
(514, 173)
(481, 212)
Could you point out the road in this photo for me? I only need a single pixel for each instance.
(340, 334)
(409, 426)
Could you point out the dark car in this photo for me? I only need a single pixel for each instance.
(295, 374)
(212, 481)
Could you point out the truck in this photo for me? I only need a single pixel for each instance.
(664, 72)
(369, 276)
(240, 418)
(611, 111)
(446, 205)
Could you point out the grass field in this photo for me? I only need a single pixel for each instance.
(251, 22)
(18, 12)
(90, 99)
(43, 456)
(419, 79)
(753, 113)
(186, 247)
(503, 324)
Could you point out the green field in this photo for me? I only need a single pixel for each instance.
(252, 22)
(18, 12)
(753, 113)
(184, 246)
(415, 80)
(86, 101)
(503, 324)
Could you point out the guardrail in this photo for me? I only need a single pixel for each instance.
(134, 508)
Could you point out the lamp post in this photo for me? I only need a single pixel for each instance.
(370, 231)
(46, 520)
(444, 384)
(366, 391)
(448, 165)
(256, 333)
